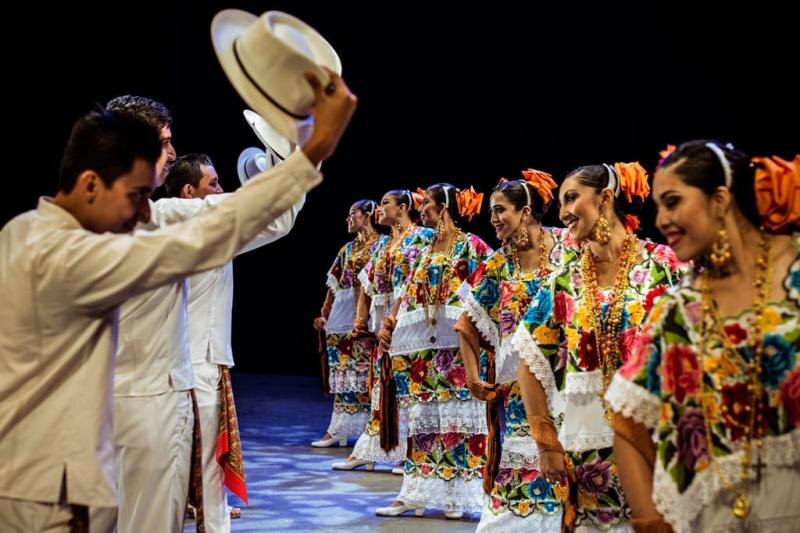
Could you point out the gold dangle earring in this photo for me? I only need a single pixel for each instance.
(439, 228)
(522, 240)
(720, 255)
(602, 230)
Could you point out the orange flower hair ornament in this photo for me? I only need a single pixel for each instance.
(417, 197)
(663, 154)
(469, 202)
(777, 187)
(632, 180)
(542, 182)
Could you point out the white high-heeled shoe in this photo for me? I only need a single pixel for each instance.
(326, 443)
(398, 470)
(397, 510)
(352, 464)
(453, 515)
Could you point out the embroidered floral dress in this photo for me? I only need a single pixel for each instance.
(556, 341)
(446, 424)
(679, 393)
(348, 357)
(495, 302)
(382, 280)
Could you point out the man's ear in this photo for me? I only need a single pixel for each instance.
(88, 184)
(187, 191)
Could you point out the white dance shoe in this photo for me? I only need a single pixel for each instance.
(397, 510)
(333, 441)
(398, 470)
(352, 464)
(453, 515)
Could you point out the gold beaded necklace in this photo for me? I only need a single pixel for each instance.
(391, 249)
(607, 331)
(754, 404)
(438, 297)
(517, 275)
(359, 254)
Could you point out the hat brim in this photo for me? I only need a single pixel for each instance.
(269, 136)
(225, 28)
(244, 157)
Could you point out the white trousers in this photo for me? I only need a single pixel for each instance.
(153, 452)
(208, 380)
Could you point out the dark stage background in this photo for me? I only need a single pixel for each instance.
(449, 94)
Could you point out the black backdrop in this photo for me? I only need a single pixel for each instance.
(455, 94)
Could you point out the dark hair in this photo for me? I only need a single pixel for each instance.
(403, 196)
(515, 191)
(597, 176)
(154, 113)
(446, 194)
(185, 169)
(699, 166)
(108, 143)
(368, 207)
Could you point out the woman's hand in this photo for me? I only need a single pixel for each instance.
(319, 323)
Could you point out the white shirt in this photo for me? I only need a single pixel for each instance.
(211, 299)
(61, 286)
(154, 354)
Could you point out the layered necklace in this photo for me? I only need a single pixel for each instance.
(359, 254)
(753, 405)
(433, 299)
(607, 331)
(390, 251)
(517, 274)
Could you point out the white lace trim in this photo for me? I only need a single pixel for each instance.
(343, 312)
(679, 510)
(346, 424)
(366, 284)
(519, 453)
(508, 522)
(533, 357)
(348, 380)
(621, 528)
(581, 388)
(506, 362)
(454, 416)
(368, 448)
(634, 402)
(332, 283)
(483, 323)
(584, 426)
(378, 309)
(450, 496)
(413, 332)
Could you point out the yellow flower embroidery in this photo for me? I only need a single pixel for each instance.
(636, 312)
(399, 364)
(546, 335)
(584, 317)
(572, 338)
(710, 407)
(524, 507)
(444, 395)
(666, 414)
(415, 388)
(447, 472)
(587, 500)
(562, 493)
(473, 462)
(418, 456)
(771, 320)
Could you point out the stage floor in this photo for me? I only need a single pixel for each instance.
(291, 485)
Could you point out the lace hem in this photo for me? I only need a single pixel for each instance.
(634, 402)
(533, 357)
(508, 522)
(332, 283)
(483, 323)
(584, 426)
(346, 424)
(368, 448)
(451, 496)
(519, 453)
(680, 509)
(348, 381)
(506, 363)
(413, 333)
(343, 312)
(454, 416)
(366, 284)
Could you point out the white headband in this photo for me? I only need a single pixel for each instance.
(726, 166)
(613, 184)
(446, 197)
(527, 193)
